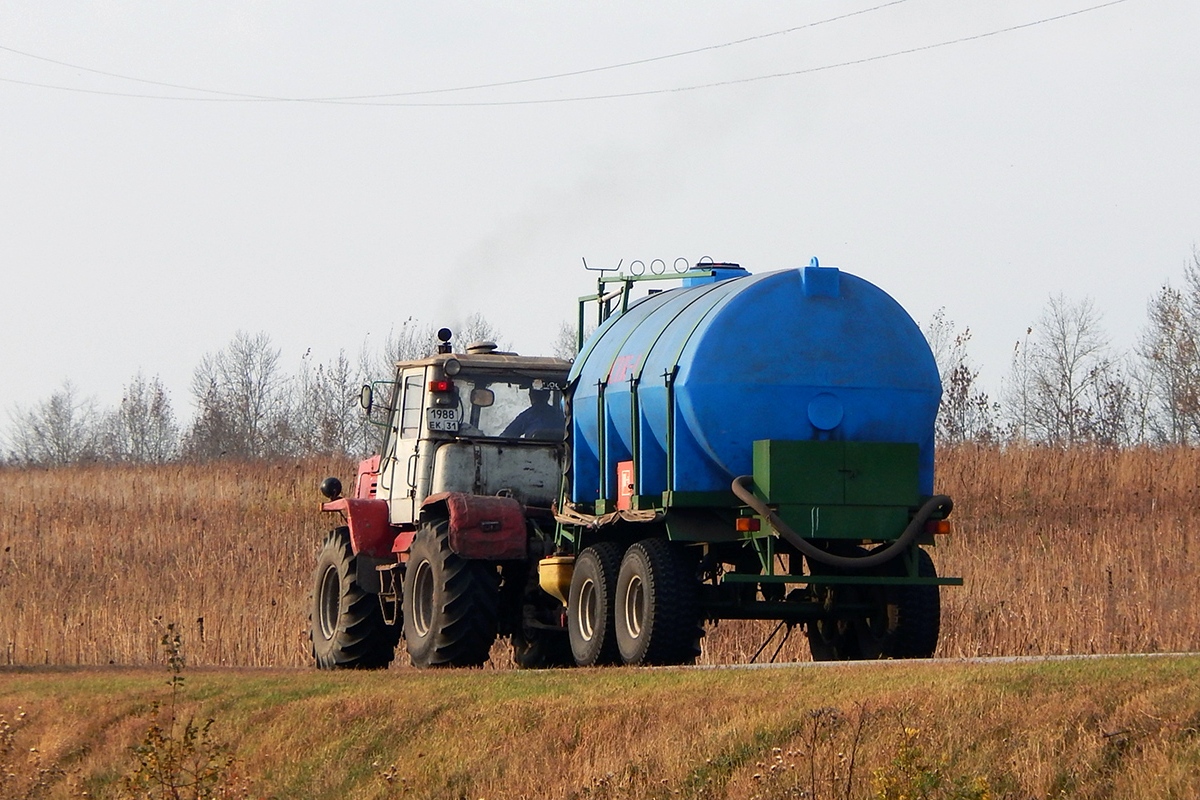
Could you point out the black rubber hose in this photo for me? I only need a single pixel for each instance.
(879, 556)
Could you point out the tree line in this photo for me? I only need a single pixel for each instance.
(1066, 386)
(247, 406)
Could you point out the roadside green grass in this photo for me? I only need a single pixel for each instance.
(1114, 727)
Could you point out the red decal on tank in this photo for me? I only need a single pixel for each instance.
(623, 368)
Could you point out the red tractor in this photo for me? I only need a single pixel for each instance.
(445, 527)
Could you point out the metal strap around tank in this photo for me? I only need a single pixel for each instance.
(673, 371)
(636, 379)
(602, 419)
(601, 437)
(669, 380)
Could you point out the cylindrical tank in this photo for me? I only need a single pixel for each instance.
(685, 380)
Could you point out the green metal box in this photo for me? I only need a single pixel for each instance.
(839, 490)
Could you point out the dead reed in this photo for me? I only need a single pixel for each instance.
(1078, 551)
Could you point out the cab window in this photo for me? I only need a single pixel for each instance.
(410, 418)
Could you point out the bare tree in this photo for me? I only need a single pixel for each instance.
(476, 328)
(241, 401)
(1064, 376)
(965, 412)
(1170, 348)
(62, 429)
(143, 428)
(1017, 391)
(566, 342)
(325, 413)
(412, 340)
(1117, 405)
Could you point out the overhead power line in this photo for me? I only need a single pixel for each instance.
(376, 100)
(635, 63)
(36, 57)
(754, 79)
(416, 92)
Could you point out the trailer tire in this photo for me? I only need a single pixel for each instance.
(591, 604)
(450, 603)
(832, 639)
(904, 623)
(657, 608)
(908, 622)
(345, 623)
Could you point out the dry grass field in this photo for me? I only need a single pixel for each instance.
(1083, 551)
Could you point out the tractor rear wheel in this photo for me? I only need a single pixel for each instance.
(345, 623)
(590, 605)
(658, 610)
(450, 603)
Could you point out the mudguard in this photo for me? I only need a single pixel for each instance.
(483, 527)
(370, 531)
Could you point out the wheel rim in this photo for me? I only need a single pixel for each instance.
(329, 602)
(423, 599)
(587, 610)
(635, 594)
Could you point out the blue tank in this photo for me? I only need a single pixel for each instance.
(684, 381)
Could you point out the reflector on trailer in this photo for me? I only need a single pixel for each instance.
(939, 527)
(748, 524)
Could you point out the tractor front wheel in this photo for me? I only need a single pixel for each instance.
(450, 603)
(345, 623)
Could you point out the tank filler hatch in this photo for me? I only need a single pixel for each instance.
(821, 281)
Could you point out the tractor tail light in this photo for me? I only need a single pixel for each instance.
(444, 385)
(748, 524)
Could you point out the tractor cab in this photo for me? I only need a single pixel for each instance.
(483, 422)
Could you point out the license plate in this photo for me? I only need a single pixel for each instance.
(444, 419)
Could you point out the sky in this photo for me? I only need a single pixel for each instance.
(173, 173)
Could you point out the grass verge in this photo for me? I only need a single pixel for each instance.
(1115, 727)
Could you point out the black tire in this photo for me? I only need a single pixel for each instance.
(345, 623)
(833, 639)
(907, 621)
(590, 605)
(904, 622)
(450, 603)
(657, 617)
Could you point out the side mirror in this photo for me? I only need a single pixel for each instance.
(482, 397)
(366, 398)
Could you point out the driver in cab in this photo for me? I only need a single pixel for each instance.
(540, 421)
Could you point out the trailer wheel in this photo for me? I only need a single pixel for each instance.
(345, 623)
(450, 603)
(907, 619)
(657, 609)
(833, 639)
(590, 605)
